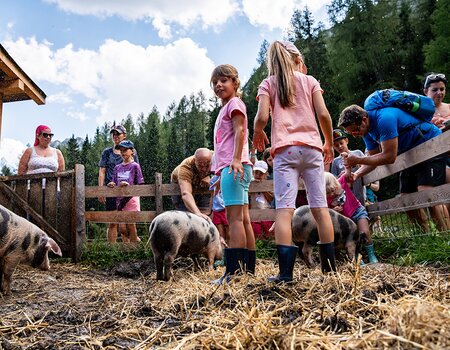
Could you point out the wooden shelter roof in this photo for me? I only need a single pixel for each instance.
(15, 84)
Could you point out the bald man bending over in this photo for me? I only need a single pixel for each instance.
(193, 174)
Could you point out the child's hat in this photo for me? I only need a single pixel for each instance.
(261, 166)
(125, 144)
(338, 134)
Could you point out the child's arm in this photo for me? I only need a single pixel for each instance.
(239, 132)
(326, 125)
(260, 139)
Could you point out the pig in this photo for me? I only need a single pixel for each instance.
(304, 229)
(21, 242)
(182, 233)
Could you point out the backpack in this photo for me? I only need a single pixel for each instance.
(419, 106)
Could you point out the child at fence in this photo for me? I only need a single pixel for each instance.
(342, 199)
(340, 145)
(127, 173)
(232, 163)
(263, 200)
(294, 100)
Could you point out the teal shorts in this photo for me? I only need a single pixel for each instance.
(235, 192)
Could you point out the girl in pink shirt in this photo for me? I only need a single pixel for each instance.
(232, 163)
(341, 198)
(295, 99)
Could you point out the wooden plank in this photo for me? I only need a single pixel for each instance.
(11, 87)
(120, 216)
(262, 214)
(1, 114)
(422, 199)
(129, 191)
(432, 148)
(50, 202)
(35, 199)
(67, 173)
(65, 210)
(38, 220)
(158, 193)
(79, 225)
(21, 190)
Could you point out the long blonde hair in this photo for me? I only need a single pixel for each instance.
(332, 185)
(281, 58)
(229, 71)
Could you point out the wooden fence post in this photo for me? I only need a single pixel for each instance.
(79, 223)
(158, 193)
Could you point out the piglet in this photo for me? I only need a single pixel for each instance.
(21, 242)
(175, 233)
(304, 229)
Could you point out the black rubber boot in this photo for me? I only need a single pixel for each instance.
(251, 261)
(234, 260)
(286, 260)
(327, 261)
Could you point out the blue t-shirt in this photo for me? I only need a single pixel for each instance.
(388, 123)
(109, 160)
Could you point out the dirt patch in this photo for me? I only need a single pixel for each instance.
(76, 307)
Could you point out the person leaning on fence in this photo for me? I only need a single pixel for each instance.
(109, 159)
(125, 174)
(232, 163)
(41, 157)
(193, 174)
(294, 99)
(388, 132)
(267, 157)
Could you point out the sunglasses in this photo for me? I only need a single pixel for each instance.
(46, 135)
(432, 77)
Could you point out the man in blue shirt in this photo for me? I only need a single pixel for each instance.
(388, 132)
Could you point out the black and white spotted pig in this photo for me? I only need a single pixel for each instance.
(182, 233)
(304, 229)
(21, 242)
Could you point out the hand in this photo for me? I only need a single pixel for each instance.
(328, 153)
(236, 168)
(123, 184)
(102, 200)
(260, 140)
(338, 208)
(111, 184)
(204, 216)
(205, 181)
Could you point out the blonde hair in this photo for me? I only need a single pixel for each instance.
(281, 59)
(227, 70)
(332, 185)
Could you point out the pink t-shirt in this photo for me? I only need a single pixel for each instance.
(295, 125)
(351, 202)
(224, 135)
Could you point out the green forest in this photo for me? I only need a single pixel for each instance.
(370, 45)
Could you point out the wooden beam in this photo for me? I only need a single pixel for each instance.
(120, 216)
(128, 191)
(12, 87)
(79, 223)
(428, 198)
(1, 115)
(12, 70)
(429, 149)
(39, 220)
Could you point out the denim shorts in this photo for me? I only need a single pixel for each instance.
(360, 213)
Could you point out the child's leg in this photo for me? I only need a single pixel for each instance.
(132, 233)
(324, 225)
(235, 219)
(124, 233)
(363, 226)
(249, 235)
(112, 233)
(283, 226)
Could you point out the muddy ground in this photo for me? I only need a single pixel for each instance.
(77, 307)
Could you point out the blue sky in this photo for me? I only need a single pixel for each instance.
(99, 60)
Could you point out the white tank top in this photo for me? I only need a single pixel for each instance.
(38, 164)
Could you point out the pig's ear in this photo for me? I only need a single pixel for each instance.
(54, 247)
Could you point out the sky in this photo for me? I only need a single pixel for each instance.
(100, 60)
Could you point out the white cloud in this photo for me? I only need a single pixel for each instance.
(10, 152)
(277, 14)
(60, 97)
(117, 79)
(161, 13)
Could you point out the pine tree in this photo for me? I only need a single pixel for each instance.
(72, 156)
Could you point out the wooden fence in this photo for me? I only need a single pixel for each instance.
(57, 204)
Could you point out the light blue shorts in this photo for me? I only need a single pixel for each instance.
(235, 192)
(291, 163)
